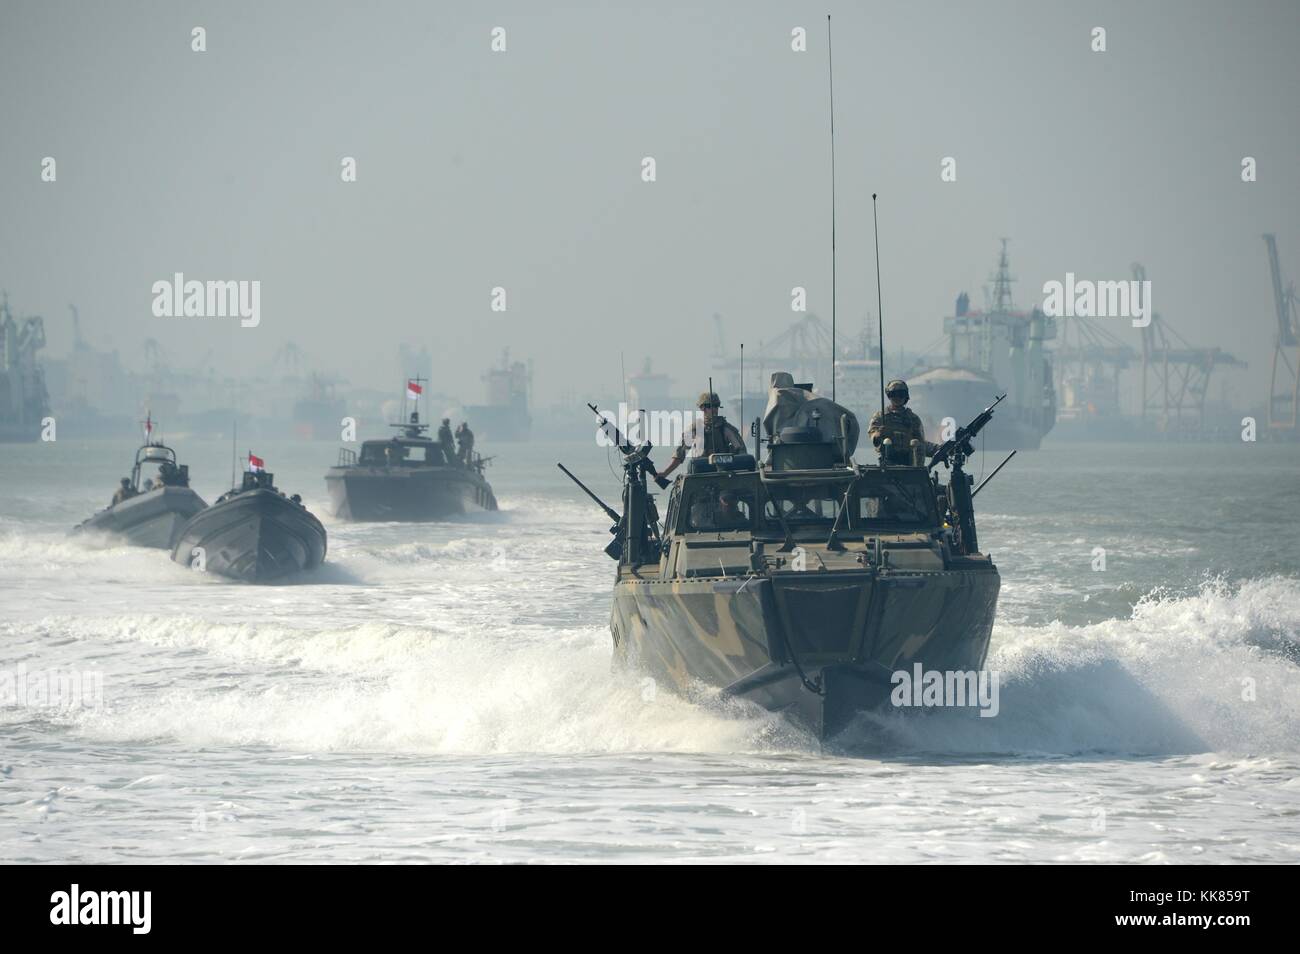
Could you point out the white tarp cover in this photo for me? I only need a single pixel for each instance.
(789, 406)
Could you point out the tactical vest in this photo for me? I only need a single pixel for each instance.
(901, 426)
(715, 439)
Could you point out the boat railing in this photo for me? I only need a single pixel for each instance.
(347, 458)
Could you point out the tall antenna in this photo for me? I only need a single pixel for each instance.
(830, 76)
(880, 308)
(742, 384)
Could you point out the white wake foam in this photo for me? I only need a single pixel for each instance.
(1212, 672)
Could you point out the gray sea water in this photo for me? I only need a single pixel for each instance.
(443, 692)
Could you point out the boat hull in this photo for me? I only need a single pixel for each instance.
(819, 647)
(152, 519)
(256, 537)
(407, 493)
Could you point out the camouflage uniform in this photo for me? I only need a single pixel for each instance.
(902, 426)
(702, 438)
(447, 442)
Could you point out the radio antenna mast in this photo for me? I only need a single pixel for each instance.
(880, 314)
(830, 76)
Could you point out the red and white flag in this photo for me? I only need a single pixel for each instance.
(255, 463)
(413, 390)
(148, 426)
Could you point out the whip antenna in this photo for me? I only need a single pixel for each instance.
(830, 76)
(880, 314)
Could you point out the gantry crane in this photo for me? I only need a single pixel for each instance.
(1175, 375)
(1284, 382)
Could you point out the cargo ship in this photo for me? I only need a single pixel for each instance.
(505, 416)
(991, 352)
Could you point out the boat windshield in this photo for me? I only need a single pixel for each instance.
(898, 500)
(803, 505)
(396, 453)
(902, 499)
(155, 467)
(715, 503)
(720, 510)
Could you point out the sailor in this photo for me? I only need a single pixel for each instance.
(124, 492)
(148, 485)
(465, 440)
(900, 424)
(446, 440)
(730, 516)
(710, 435)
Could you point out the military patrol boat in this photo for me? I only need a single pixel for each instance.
(409, 477)
(149, 511)
(253, 533)
(802, 583)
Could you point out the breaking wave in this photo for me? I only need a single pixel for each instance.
(1216, 671)
(1213, 672)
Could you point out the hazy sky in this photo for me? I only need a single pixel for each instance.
(522, 169)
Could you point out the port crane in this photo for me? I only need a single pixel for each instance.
(1284, 381)
(1175, 374)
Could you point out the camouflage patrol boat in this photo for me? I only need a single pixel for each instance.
(802, 583)
(149, 511)
(410, 477)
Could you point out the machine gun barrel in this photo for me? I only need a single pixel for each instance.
(961, 440)
(639, 455)
(613, 514)
(620, 441)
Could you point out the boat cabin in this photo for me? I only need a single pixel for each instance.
(155, 465)
(804, 506)
(402, 452)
